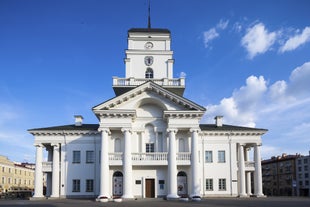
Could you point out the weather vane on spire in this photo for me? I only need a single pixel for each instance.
(149, 18)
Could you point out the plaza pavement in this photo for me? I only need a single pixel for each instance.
(208, 202)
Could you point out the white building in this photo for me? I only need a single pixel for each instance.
(148, 141)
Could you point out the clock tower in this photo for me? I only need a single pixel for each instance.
(149, 58)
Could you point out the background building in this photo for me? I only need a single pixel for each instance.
(15, 176)
(302, 170)
(279, 175)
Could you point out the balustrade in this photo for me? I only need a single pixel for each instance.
(138, 81)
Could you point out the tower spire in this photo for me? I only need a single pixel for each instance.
(149, 17)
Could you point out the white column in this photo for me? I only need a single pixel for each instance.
(248, 184)
(55, 173)
(241, 172)
(195, 163)
(49, 174)
(247, 174)
(104, 163)
(258, 184)
(127, 165)
(38, 193)
(172, 165)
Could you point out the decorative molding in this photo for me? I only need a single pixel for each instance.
(62, 132)
(124, 130)
(225, 133)
(116, 113)
(172, 130)
(183, 114)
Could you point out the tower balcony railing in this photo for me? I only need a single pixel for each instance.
(174, 82)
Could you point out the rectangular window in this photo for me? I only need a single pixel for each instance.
(138, 182)
(306, 168)
(305, 161)
(149, 147)
(209, 184)
(222, 184)
(75, 185)
(208, 156)
(161, 184)
(90, 156)
(89, 185)
(76, 157)
(221, 156)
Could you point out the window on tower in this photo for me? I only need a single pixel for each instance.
(149, 73)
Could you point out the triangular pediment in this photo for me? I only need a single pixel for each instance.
(151, 92)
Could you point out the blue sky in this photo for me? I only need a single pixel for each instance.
(246, 60)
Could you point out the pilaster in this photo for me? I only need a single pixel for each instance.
(195, 163)
(241, 171)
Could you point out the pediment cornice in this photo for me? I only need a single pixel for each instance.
(148, 86)
(115, 113)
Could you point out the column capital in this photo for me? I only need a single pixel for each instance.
(194, 130)
(258, 144)
(172, 130)
(38, 145)
(104, 129)
(55, 144)
(126, 130)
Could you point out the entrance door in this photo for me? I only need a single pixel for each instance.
(117, 184)
(182, 183)
(150, 188)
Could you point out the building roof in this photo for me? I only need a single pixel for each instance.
(151, 30)
(225, 127)
(68, 127)
(203, 127)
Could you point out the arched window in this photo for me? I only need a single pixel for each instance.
(149, 73)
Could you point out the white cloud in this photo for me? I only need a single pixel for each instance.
(222, 24)
(213, 32)
(209, 36)
(300, 80)
(182, 74)
(258, 40)
(294, 42)
(282, 107)
(240, 108)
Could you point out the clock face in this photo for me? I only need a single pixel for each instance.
(148, 60)
(148, 45)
